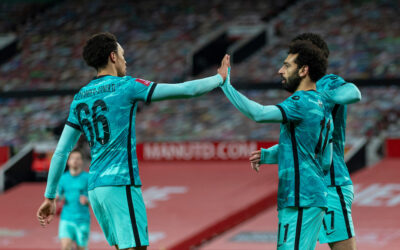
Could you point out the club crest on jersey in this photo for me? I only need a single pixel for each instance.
(296, 97)
(144, 82)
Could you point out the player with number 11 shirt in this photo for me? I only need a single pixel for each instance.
(303, 144)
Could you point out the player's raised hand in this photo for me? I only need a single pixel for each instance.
(46, 212)
(225, 64)
(255, 158)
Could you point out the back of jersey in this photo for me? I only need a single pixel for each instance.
(338, 174)
(104, 110)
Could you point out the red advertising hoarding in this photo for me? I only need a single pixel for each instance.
(392, 146)
(198, 151)
(4, 154)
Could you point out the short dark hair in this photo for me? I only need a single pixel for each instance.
(98, 48)
(314, 39)
(310, 55)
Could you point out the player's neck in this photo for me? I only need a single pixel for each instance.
(306, 84)
(108, 70)
(75, 172)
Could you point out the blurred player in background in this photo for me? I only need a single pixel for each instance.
(74, 225)
(104, 111)
(303, 141)
(338, 228)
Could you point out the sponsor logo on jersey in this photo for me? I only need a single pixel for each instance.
(319, 103)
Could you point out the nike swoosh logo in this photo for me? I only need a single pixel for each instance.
(330, 232)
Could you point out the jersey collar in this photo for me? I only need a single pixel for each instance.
(98, 77)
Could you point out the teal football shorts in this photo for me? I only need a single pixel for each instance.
(298, 228)
(78, 232)
(121, 214)
(338, 223)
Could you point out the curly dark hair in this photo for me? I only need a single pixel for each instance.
(98, 48)
(310, 55)
(314, 39)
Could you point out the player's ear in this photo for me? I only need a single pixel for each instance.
(113, 57)
(303, 71)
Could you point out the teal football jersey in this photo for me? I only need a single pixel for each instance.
(105, 110)
(338, 174)
(304, 135)
(71, 188)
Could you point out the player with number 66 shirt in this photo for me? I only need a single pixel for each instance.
(104, 112)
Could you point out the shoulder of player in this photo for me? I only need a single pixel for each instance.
(80, 91)
(330, 81)
(127, 78)
(77, 96)
(134, 80)
(298, 96)
(308, 98)
(294, 100)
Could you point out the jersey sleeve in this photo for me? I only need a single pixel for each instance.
(251, 109)
(189, 89)
(344, 94)
(292, 109)
(60, 190)
(72, 120)
(330, 82)
(269, 155)
(139, 90)
(67, 141)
